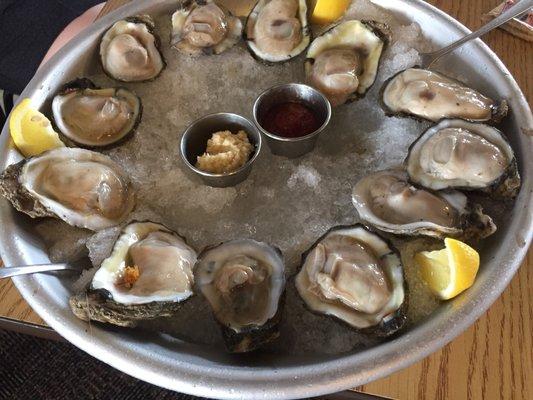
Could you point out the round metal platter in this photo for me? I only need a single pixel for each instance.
(188, 368)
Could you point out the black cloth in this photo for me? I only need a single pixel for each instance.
(5, 107)
(27, 29)
(33, 368)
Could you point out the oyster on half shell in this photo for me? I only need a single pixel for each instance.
(129, 50)
(277, 30)
(148, 275)
(243, 281)
(83, 188)
(93, 117)
(430, 95)
(464, 155)
(356, 276)
(204, 26)
(386, 200)
(343, 62)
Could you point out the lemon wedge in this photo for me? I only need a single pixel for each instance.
(451, 270)
(31, 131)
(328, 11)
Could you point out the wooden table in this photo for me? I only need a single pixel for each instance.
(493, 359)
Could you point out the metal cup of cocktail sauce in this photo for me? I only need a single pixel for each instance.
(292, 147)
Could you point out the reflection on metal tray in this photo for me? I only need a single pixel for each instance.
(206, 371)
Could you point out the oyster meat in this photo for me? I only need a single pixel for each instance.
(148, 275)
(129, 50)
(277, 30)
(81, 187)
(430, 95)
(201, 26)
(356, 276)
(343, 62)
(243, 281)
(94, 117)
(386, 200)
(460, 154)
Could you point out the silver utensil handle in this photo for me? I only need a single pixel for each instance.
(515, 11)
(8, 272)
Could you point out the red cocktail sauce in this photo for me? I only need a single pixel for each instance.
(290, 120)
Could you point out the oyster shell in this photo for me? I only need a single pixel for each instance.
(355, 275)
(386, 200)
(433, 96)
(201, 26)
(463, 155)
(277, 30)
(93, 117)
(343, 62)
(243, 281)
(42, 186)
(163, 266)
(129, 50)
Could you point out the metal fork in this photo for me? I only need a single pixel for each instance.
(33, 269)
(427, 59)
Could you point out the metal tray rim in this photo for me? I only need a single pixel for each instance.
(289, 382)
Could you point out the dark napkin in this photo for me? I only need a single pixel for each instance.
(40, 369)
(27, 29)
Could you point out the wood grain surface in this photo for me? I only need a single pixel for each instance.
(493, 359)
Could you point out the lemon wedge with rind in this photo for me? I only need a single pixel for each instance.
(328, 11)
(451, 270)
(31, 131)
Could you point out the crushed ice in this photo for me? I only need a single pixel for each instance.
(288, 203)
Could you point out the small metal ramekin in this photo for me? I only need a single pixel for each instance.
(292, 92)
(194, 142)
